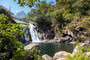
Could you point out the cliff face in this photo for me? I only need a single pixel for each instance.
(45, 32)
(66, 35)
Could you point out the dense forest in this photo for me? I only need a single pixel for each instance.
(72, 15)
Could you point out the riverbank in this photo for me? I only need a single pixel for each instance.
(59, 51)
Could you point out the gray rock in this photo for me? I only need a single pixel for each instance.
(65, 39)
(87, 40)
(73, 42)
(61, 54)
(47, 57)
(30, 46)
(76, 49)
(62, 59)
(70, 33)
(87, 53)
(58, 41)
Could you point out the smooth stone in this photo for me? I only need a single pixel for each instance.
(30, 46)
(61, 54)
(72, 42)
(62, 59)
(47, 57)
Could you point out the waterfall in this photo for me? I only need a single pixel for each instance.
(33, 33)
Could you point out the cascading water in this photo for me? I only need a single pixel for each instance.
(33, 33)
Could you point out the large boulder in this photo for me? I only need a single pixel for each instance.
(47, 57)
(77, 49)
(87, 53)
(61, 54)
(30, 46)
(62, 59)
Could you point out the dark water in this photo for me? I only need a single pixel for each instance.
(52, 48)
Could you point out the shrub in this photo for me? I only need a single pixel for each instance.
(59, 18)
(81, 54)
(10, 46)
(85, 23)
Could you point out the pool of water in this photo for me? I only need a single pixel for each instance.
(52, 48)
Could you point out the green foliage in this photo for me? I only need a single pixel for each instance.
(32, 54)
(61, 15)
(86, 23)
(28, 3)
(40, 15)
(81, 6)
(9, 36)
(81, 54)
(10, 46)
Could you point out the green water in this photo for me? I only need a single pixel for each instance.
(52, 48)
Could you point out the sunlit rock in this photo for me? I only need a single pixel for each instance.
(47, 57)
(30, 46)
(87, 53)
(77, 49)
(61, 54)
(62, 59)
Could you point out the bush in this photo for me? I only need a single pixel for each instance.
(10, 46)
(60, 20)
(85, 23)
(43, 20)
(81, 54)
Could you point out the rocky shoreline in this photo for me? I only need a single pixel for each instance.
(64, 36)
(67, 36)
(61, 55)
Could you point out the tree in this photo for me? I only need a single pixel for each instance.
(28, 3)
(10, 45)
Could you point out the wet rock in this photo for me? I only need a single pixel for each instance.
(40, 36)
(61, 54)
(30, 46)
(47, 57)
(58, 41)
(45, 41)
(52, 41)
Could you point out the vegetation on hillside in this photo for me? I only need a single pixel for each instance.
(64, 15)
(81, 54)
(28, 3)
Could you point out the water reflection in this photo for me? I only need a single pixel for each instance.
(52, 48)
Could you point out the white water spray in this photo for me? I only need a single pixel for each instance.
(33, 33)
